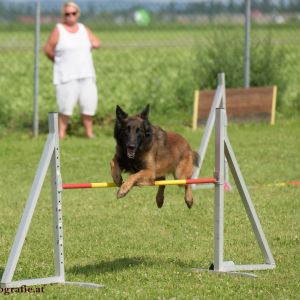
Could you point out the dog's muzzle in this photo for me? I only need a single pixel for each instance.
(131, 151)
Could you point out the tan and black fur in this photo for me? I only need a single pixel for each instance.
(149, 153)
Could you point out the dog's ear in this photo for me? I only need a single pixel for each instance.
(144, 114)
(120, 114)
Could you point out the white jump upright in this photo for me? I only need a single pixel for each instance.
(218, 101)
(224, 151)
(50, 156)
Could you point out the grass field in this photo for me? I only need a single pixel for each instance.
(141, 252)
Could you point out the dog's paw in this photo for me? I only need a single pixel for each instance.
(189, 203)
(122, 192)
(159, 201)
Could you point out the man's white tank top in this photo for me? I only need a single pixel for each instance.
(73, 55)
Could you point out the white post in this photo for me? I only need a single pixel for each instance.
(36, 69)
(56, 186)
(219, 190)
(247, 43)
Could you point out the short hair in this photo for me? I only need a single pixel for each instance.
(70, 3)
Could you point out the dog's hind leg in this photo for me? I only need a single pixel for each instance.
(184, 170)
(160, 194)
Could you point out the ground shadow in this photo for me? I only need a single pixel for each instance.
(120, 264)
(109, 266)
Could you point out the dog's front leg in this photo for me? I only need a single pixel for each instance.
(143, 177)
(116, 171)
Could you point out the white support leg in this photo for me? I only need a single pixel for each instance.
(51, 155)
(249, 207)
(28, 212)
(219, 101)
(210, 124)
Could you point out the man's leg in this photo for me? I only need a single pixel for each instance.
(88, 101)
(67, 95)
(63, 125)
(88, 125)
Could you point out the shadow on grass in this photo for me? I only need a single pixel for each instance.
(110, 266)
(120, 264)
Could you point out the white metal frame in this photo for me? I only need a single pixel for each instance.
(223, 150)
(50, 156)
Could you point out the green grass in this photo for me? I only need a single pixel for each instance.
(141, 252)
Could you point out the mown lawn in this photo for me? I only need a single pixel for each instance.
(141, 252)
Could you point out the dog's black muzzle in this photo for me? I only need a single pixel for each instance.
(131, 148)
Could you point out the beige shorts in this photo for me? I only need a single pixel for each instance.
(83, 91)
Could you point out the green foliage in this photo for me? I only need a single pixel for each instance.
(168, 85)
(218, 55)
(269, 66)
(225, 53)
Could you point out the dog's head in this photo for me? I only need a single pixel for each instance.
(132, 133)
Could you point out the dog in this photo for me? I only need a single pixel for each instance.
(149, 153)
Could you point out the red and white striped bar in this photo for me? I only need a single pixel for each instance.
(156, 183)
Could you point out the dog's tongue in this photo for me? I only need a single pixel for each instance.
(130, 153)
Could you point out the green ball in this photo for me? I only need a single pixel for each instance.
(142, 17)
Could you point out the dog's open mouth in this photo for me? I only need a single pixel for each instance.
(130, 153)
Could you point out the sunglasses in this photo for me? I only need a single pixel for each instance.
(71, 14)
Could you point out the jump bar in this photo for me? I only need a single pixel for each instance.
(156, 183)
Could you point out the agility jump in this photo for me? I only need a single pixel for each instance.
(51, 156)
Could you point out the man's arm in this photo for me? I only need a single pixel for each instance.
(49, 48)
(96, 43)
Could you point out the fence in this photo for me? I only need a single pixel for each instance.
(152, 52)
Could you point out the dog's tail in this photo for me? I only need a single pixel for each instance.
(196, 159)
